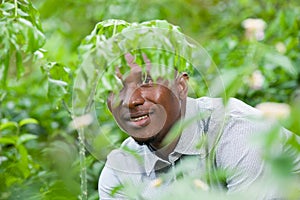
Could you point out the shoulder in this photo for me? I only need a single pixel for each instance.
(234, 107)
(239, 108)
(120, 163)
(126, 158)
(239, 118)
(222, 113)
(231, 122)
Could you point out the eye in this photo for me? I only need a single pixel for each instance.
(148, 80)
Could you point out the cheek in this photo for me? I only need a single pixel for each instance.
(116, 114)
(118, 120)
(169, 100)
(161, 93)
(113, 101)
(115, 110)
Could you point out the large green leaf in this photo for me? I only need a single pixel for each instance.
(28, 121)
(277, 59)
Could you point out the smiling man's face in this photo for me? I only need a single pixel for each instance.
(148, 110)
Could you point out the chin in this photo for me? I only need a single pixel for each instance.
(142, 141)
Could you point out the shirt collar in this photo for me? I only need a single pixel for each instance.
(190, 136)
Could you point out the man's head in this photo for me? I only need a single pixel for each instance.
(157, 93)
(159, 104)
(145, 108)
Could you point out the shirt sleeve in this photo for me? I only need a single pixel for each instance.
(109, 185)
(241, 158)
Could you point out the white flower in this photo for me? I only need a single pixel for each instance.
(254, 28)
(81, 121)
(280, 47)
(256, 80)
(274, 110)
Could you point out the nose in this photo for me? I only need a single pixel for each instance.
(133, 98)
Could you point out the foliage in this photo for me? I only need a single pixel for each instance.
(111, 41)
(39, 149)
(21, 36)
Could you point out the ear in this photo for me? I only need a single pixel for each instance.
(182, 85)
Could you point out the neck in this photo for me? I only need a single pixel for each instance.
(164, 148)
(165, 151)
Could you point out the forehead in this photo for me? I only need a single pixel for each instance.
(141, 65)
(131, 74)
(137, 73)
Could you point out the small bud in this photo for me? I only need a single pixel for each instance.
(201, 185)
(156, 182)
(280, 47)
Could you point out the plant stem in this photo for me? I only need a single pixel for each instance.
(16, 8)
(83, 174)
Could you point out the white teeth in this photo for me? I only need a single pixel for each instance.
(138, 118)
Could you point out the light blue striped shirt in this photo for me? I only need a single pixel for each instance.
(135, 172)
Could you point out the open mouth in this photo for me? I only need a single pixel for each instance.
(135, 119)
(140, 120)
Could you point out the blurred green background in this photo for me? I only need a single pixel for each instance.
(39, 40)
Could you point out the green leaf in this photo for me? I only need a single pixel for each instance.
(59, 80)
(23, 164)
(293, 121)
(56, 89)
(26, 137)
(282, 61)
(20, 36)
(3, 94)
(8, 125)
(5, 140)
(28, 121)
(4, 68)
(19, 63)
(7, 6)
(57, 71)
(22, 13)
(25, 22)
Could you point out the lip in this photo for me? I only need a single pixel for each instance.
(127, 115)
(138, 119)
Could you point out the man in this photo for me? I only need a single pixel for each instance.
(174, 138)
